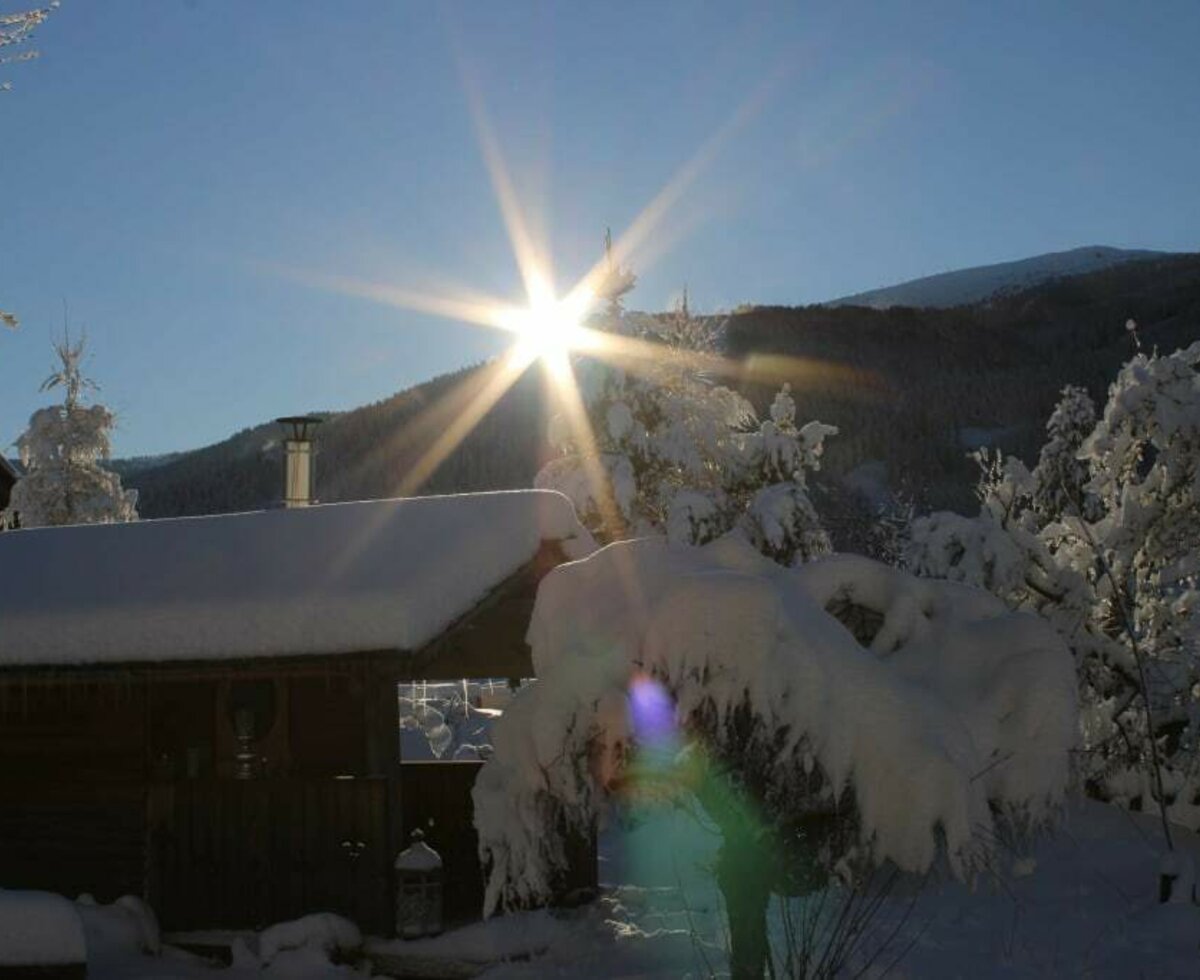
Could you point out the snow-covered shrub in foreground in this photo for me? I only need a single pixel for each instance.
(953, 708)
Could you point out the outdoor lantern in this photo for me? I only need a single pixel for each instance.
(418, 890)
(298, 459)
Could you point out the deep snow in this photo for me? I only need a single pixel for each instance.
(1080, 903)
(336, 578)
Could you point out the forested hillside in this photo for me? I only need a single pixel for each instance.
(916, 389)
(362, 454)
(911, 391)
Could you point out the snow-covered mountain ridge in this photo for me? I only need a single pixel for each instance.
(962, 286)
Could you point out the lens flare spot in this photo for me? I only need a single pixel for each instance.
(652, 712)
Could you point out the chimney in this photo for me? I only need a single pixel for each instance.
(298, 459)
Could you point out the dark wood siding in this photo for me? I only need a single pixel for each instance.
(232, 853)
(73, 838)
(72, 799)
(327, 724)
(87, 733)
(182, 728)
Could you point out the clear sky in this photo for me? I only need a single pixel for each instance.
(163, 160)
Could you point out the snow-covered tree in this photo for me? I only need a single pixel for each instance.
(713, 677)
(17, 29)
(1103, 538)
(61, 450)
(1060, 476)
(671, 451)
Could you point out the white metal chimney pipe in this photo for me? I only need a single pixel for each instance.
(298, 459)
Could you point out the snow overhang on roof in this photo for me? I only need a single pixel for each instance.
(336, 578)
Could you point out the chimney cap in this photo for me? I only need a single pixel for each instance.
(300, 428)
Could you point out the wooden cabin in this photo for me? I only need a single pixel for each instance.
(203, 711)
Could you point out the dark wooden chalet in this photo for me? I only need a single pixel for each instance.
(203, 711)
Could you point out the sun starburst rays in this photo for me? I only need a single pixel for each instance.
(549, 328)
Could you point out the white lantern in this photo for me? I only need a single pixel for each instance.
(418, 890)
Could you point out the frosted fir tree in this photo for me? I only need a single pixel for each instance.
(1108, 553)
(618, 280)
(61, 451)
(1060, 476)
(673, 452)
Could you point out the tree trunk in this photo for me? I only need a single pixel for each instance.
(744, 874)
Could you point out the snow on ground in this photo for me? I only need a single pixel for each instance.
(297, 950)
(1080, 903)
(37, 928)
(374, 575)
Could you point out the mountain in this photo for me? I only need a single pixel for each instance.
(363, 454)
(912, 391)
(983, 282)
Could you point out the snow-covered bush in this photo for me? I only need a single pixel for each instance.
(61, 450)
(673, 452)
(1102, 538)
(716, 673)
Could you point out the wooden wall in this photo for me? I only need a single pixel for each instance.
(74, 730)
(327, 726)
(85, 757)
(72, 793)
(244, 854)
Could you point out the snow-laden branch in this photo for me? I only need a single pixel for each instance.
(1102, 539)
(954, 707)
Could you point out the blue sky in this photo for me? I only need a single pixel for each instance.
(162, 160)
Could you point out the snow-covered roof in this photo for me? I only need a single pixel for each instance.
(336, 578)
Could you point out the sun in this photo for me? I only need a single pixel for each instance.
(549, 329)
